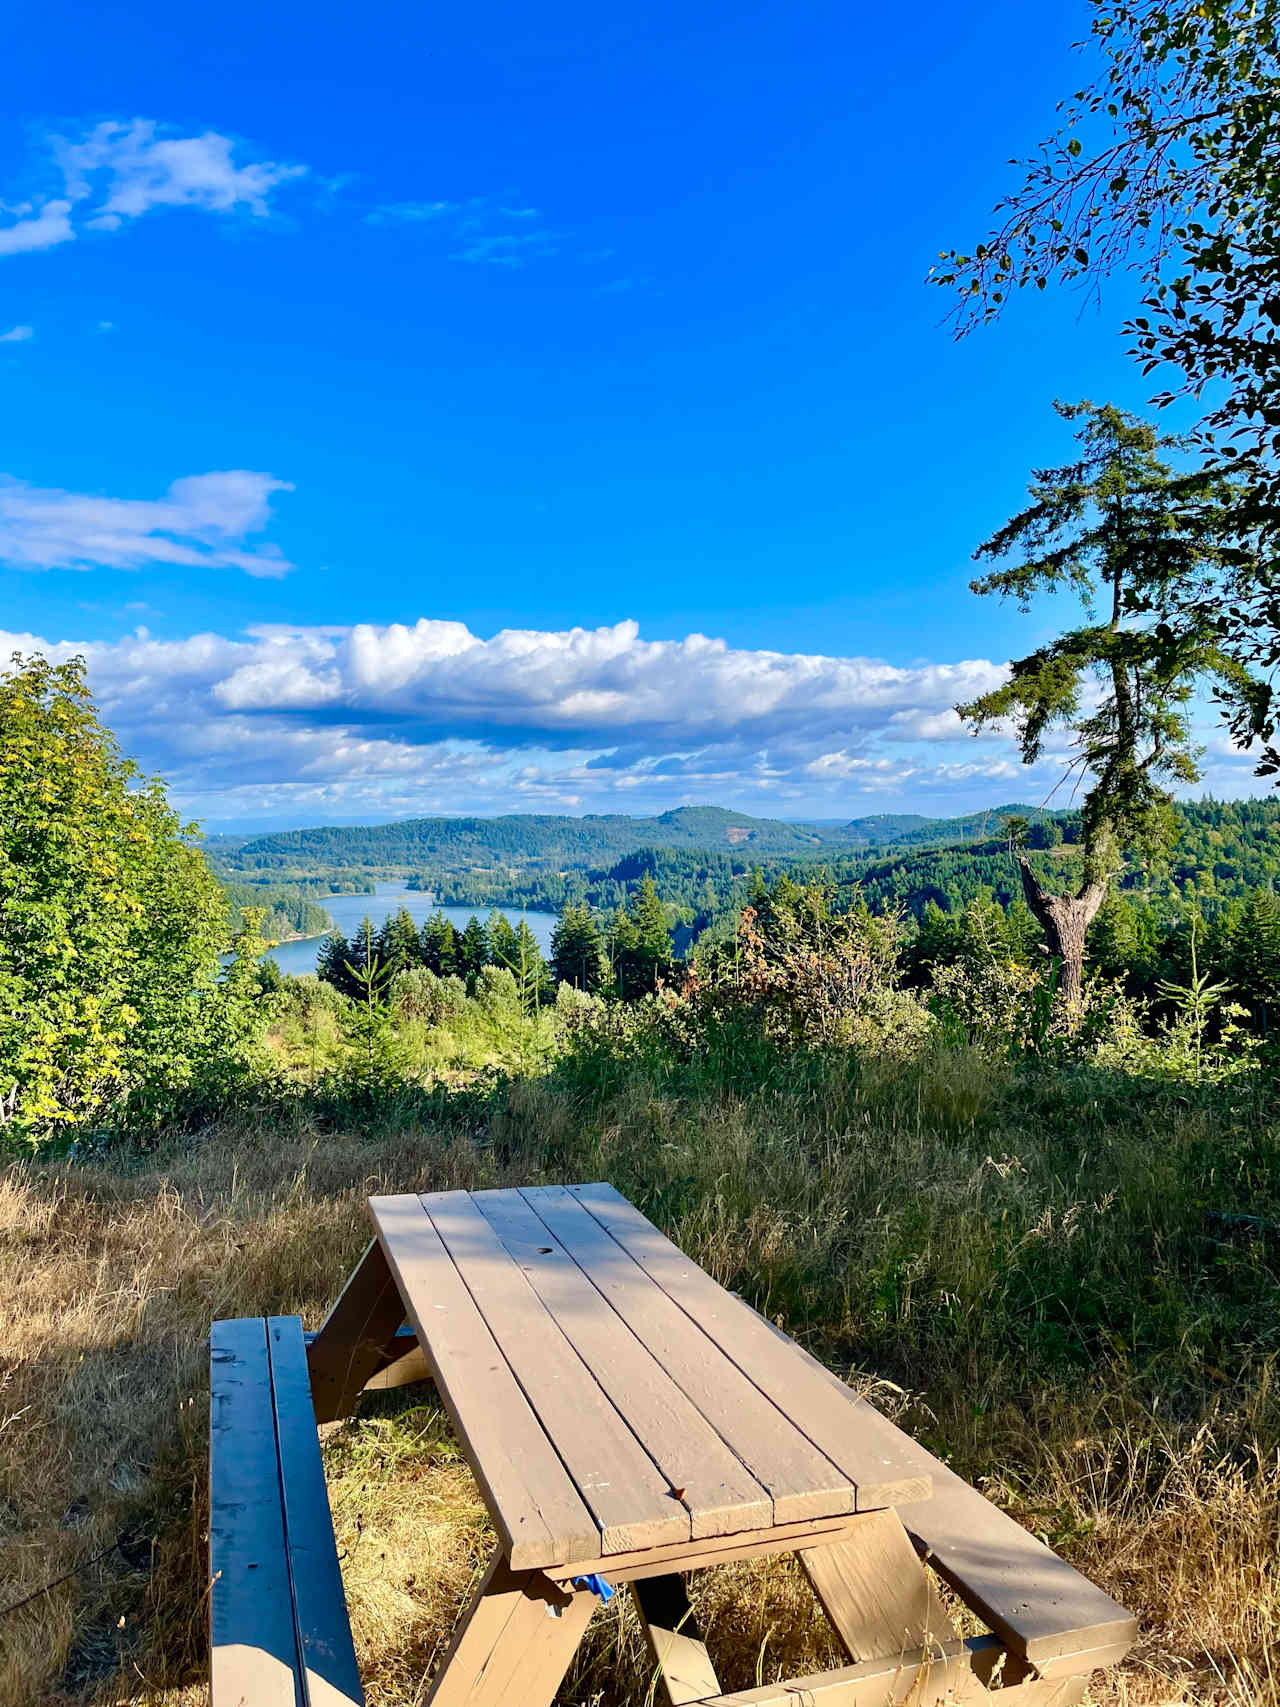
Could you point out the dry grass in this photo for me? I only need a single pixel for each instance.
(1167, 1491)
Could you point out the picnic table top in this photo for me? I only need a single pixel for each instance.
(611, 1396)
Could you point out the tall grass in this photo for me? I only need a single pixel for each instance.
(1036, 1273)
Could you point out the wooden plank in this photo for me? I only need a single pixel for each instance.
(535, 1507)
(678, 1651)
(825, 1415)
(403, 1371)
(924, 1678)
(357, 1337)
(699, 1555)
(876, 1592)
(1038, 1603)
(721, 1494)
(406, 1361)
(920, 1680)
(801, 1480)
(330, 1674)
(514, 1643)
(633, 1502)
(253, 1650)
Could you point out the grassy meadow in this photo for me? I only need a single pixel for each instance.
(1036, 1271)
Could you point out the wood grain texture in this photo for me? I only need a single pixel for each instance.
(700, 1555)
(720, 1493)
(253, 1651)
(801, 1481)
(922, 1679)
(326, 1652)
(513, 1644)
(919, 1680)
(535, 1506)
(876, 1592)
(357, 1338)
(681, 1661)
(1038, 1603)
(823, 1413)
(633, 1502)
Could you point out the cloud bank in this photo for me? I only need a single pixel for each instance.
(285, 724)
(294, 725)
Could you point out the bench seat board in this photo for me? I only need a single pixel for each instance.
(801, 1481)
(252, 1640)
(1038, 1603)
(328, 1659)
(535, 1506)
(774, 1364)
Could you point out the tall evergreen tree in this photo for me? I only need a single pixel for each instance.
(1253, 957)
(331, 963)
(1119, 525)
(397, 942)
(438, 945)
(503, 947)
(473, 951)
(577, 954)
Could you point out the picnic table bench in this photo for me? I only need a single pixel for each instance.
(628, 1421)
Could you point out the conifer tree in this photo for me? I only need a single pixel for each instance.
(473, 951)
(577, 954)
(503, 947)
(438, 945)
(331, 963)
(1118, 525)
(397, 942)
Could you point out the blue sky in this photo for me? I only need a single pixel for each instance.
(526, 409)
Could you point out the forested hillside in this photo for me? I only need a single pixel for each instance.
(495, 849)
(1223, 851)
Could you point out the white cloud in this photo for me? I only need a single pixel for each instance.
(410, 213)
(203, 521)
(308, 724)
(303, 723)
(127, 169)
(488, 232)
(119, 170)
(38, 230)
(18, 335)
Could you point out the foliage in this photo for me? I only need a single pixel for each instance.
(110, 921)
(577, 954)
(1171, 157)
(1115, 524)
(286, 913)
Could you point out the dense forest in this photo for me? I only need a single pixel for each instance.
(496, 848)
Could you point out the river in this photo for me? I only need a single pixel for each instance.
(347, 911)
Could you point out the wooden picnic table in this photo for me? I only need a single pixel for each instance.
(629, 1420)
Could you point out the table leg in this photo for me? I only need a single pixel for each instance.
(357, 1339)
(875, 1591)
(679, 1654)
(515, 1642)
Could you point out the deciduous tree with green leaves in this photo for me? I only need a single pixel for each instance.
(110, 921)
(1117, 526)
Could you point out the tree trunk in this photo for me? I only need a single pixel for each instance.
(1065, 920)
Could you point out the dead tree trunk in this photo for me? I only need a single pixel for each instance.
(1065, 920)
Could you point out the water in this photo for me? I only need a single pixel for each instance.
(347, 911)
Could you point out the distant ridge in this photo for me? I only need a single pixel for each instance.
(542, 841)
